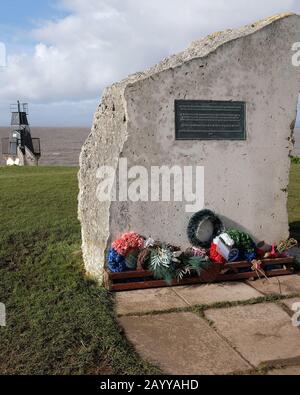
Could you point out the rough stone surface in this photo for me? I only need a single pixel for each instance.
(214, 293)
(143, 301)
(261, 333)
(181, 343)
(288, 371)
(136, 121)
(285, 285)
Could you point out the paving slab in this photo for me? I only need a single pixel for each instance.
(261, 333)
(215, 293)
(288, 371)
(290, 302)
(294, 307)
(182, 343)
(147, 300)
(285, 285)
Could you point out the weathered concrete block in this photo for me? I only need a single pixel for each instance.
(148, 300)
(182, 337)
(245, 181)
(261, 333)
(285, 285)
(214, 293)
(288, 371)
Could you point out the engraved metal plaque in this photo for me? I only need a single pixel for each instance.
(210, 120)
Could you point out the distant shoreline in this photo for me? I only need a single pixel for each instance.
(61, 146)
(52, 127)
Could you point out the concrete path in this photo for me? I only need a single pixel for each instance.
(232, 328)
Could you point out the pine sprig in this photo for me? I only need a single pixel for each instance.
(161, 264)
(192, 265)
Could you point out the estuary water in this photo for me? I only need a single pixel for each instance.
(61, 146)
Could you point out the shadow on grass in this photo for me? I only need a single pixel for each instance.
(295, 230)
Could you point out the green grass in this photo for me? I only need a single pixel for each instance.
(294, 201)
(201, 308)
(58, 321)
(295, 160)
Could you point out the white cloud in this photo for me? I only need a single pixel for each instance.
(101, 41)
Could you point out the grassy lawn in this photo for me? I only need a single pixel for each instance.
(294, 200)
(59, 322)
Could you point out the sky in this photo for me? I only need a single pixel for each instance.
(61, 54)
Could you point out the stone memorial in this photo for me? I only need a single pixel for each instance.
(226, 105)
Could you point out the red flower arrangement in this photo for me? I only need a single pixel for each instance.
(127, 243)
(215, 256)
